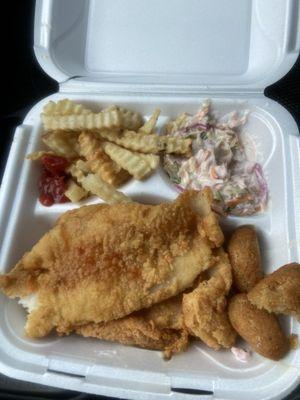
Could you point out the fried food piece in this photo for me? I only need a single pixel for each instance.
(78, 122)
(177, 124)
(132, 162)
(130, 119)
(210, 220)
(149, 125)
(75, 192)
(244, 254)
(159, 327)
(103, 262)
(135, 331)
(99, 162)
(205, 308)
(279, 292)
(94, 184)
(130, 330)
(151, 143)
(259, 328)
(167, 314)
(62, 143)
(64, 107)
(151, 159)
(177, 346)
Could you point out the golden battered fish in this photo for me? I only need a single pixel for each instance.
(159, 327)
(205, 308)
(103, 262)
(279, 292)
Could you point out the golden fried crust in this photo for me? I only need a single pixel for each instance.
(159, 327)
(259, 328)
(166, 315)
(205, 308)
(210, 220)
(177, 346)
(131, 330)
(103, 262)
(134, 330)
(279, 292)
(244, 254)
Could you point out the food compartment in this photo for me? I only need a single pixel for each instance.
(29, 220)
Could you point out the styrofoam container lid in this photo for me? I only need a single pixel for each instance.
(172, 55)
(215, 44)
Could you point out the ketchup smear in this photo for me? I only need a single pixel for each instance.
(53, 180)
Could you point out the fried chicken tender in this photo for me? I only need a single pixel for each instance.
(279, 292)
(103, 262)
(258, 327)
(205, 308)
(159, 327)
(244, 254)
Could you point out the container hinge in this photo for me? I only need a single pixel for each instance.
(83, 85)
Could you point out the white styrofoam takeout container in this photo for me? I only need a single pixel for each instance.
(171, 55)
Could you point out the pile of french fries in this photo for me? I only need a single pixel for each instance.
(105, 149)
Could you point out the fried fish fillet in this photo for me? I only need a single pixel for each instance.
(159, 327)
(279, 292)
(205, 308)
(167, 314)
(103, 262)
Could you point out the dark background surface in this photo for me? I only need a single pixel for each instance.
(23, 84)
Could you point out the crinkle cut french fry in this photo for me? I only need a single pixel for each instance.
(78, 171)
(182, 119)
(108, 134)
(134, 141)
(64, 107)
(37, 155)
(177, 145)
(99, 162)
(75, 192)
(151, 159)
(177, 124)
(82, 166)
(149, 125)
(94, 184)
(78, 122)
(138, 167)
(104, 190)
(149, 143)
(62, 143)
(130, 119)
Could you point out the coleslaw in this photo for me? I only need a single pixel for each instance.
(220, 160)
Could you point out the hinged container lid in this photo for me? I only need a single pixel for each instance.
(228, 45)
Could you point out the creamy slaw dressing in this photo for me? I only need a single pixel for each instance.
(221, 159)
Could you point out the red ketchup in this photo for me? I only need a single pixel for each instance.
(53, 180)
